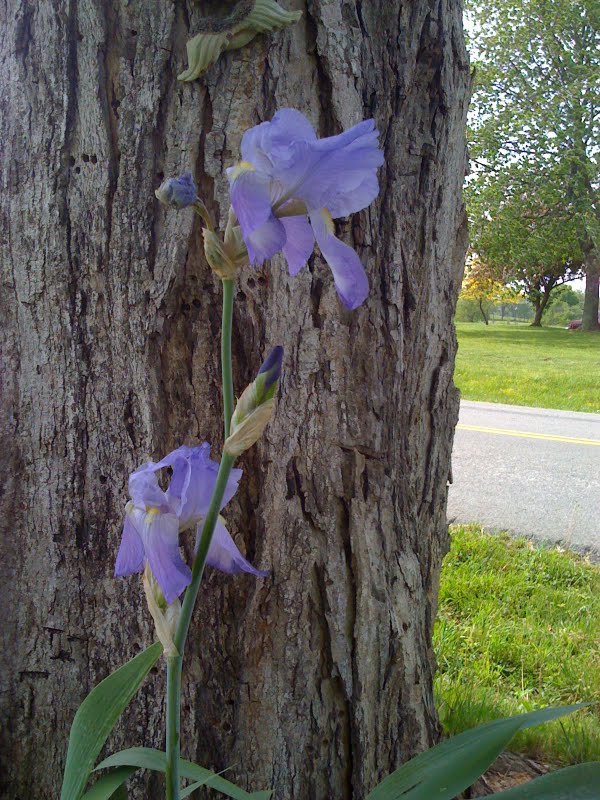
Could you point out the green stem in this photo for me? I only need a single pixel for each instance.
(172, 745)
(228, 290)
(174, 663)
(208, 529)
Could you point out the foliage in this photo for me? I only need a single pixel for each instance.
(468, 310)
(533, 200)
(520, 365)
(455, 764)
(481, 285)
(517, 628)
(97, 716)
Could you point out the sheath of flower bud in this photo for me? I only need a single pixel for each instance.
(255, 407)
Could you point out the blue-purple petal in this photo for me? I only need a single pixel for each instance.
(339, 170)
(144, 489)
(349, 275)
(268, 143)
(130, 557)
(299, 242)
(225, 556)
(342, 204)
(160, 535)
(271, 367)
(202, 483)
(250, 193)
(264, 242)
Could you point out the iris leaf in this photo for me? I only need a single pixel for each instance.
(452, 766)
(108, 785)
(97, 716)
(148, 758)
(580, 782)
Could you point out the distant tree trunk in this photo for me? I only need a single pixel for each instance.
(318, 680)
(540, 304)
(483, 314)
(589, 321)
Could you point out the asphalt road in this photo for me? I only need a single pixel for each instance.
(531, 471)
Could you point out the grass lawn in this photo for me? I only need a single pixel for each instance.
(520, 365)
(519, 628)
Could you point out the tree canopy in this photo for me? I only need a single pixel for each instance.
(533, 199)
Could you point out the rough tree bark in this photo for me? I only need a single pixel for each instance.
(591, 320)
(318, 680)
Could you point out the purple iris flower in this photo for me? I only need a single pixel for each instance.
(290, 186)
(154, 518)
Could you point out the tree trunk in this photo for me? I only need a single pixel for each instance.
(589, 320)
(540, 304)
(318, 680)
(483, 314)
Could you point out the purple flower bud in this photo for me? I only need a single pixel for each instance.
(271, 367)
(178, 192)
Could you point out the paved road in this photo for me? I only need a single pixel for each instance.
(531, 471)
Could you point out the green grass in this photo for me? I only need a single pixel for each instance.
(520, 365)
(518, 628)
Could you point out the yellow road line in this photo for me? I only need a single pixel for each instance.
(529, 435)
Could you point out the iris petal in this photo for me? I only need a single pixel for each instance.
(299, 242)
(144, 489)
(203, 478)
(250, 193)
(336, 167)
(160, 534)
(130, 557)
(264, 242)
(266, 144)
(348, 272)
(224, 555)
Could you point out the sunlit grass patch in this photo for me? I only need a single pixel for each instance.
(518, 628)
(520, 365)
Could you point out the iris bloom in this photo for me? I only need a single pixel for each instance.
(290, 186)
(154, 518)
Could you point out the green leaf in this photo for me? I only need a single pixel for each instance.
(108, 784)
(147, 758)
(191, 788)
(456, 763)
(96, 717)
(580, 782)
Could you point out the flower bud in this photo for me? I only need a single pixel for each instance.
(178, 192)
(217, 255)
(166, 617)
(255, 407)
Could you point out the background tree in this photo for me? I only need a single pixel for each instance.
(535, 126)
(529, 241)
(318, 680)
(481, 285)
